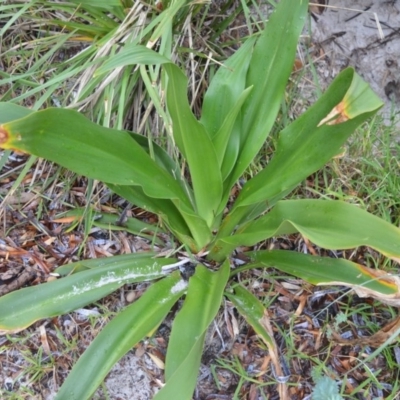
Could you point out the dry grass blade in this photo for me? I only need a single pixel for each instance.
(273, 352)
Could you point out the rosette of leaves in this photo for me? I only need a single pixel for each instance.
(238, 112)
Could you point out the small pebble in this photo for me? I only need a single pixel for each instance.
(130, 297)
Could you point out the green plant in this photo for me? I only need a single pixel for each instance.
(50, 50)
(326, 388)
(191, 194)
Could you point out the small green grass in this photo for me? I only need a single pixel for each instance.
(367, 173)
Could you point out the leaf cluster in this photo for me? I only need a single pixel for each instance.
(191, 195)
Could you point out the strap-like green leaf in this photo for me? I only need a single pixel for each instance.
(69, 139)
(202, 302)
(322, 270)
(188, 227)
(162, 158)
(83, 265)
(257, 316)
(119, 336)
(223, 136)
(184, 381)
(225, 88)
(270, 67)
(196, 146)
(111, 222)
(305, 146)
(329, 224)
(10, 111)
(251, 309)
(23, 307)
(165, 208)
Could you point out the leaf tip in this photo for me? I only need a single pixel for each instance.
(7, 140)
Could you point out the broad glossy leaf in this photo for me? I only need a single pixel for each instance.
(202, 302)
(329, 224)
(270, 67)
(196, 146)
(69, 139)
(119, 336)
(23, 307)
(251, 309)
(331, 271)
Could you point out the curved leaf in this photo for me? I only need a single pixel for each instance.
(199, 229)
(270, 67)
(83, 265)
(23, 307)
(130, 54)
(252, 310)
(69, 139)
(119, 336)
(257, 316)
(223, 136)
(162, 158)
(195, 145)
(328, 224)
(225, 88)
(187, 226)
(184, 382)
(202, 302)
(326, 271)
(10, 112)
(304, 147)
(163, 207)
(226, 93)
(110, 222)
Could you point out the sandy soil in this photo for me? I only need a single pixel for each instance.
(364, 34)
